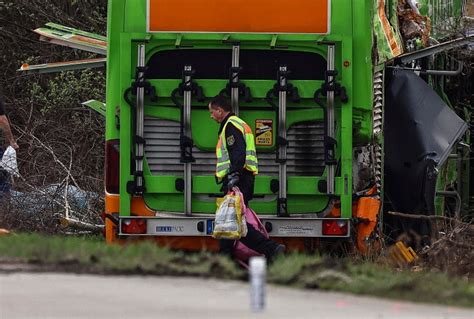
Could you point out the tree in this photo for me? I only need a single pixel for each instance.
(61, 142)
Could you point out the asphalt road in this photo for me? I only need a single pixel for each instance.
(26, 295)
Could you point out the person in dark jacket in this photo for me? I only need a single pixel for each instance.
(7, 133)
(237, 165)
(5, 127)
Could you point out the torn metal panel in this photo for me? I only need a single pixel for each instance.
(413, 4)
(413, 25)
(388, 42)
(98, 106)
(434, 49)
(63, 66)
(58, 27)
(420, 132)
(73, 38)
(362, 168)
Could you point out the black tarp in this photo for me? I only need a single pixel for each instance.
(420, 132)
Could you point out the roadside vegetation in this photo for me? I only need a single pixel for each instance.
(61, 142)
(34, 252)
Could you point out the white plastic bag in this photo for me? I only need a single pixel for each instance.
(9, 163)
(228, 222)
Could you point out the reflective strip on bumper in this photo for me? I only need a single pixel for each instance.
(299, 227)
(203, 226)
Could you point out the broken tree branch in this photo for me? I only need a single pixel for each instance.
(427, 217)
(461, 245)
(77, 224)
(466, 226)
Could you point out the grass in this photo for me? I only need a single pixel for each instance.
(92, 255)
(364, 278)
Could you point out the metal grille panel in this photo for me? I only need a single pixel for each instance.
(305, 151)
(378, 126)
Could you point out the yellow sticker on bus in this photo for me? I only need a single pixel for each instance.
(263, 132)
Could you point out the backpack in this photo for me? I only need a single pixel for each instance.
(241, 252)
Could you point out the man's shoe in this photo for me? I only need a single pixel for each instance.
(279, 250)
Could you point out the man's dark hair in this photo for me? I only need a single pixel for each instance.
(221, 101)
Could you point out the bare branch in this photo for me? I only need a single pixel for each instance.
(77, 224)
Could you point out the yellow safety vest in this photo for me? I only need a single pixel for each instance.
(223, 160)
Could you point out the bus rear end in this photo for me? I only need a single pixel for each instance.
(291, 70)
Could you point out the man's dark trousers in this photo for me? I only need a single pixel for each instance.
(4, 178)
(254, 239)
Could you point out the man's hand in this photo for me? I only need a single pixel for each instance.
(233, 180)
(14, 145)
(5, 127)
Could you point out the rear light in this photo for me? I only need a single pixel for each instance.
(134, 226)
(112, 166)
(335, 227)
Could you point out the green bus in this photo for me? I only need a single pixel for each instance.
(346, 100)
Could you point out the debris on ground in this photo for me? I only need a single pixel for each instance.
(451, 249)
(412, 24)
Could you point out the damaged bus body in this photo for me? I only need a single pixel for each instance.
(318, 81)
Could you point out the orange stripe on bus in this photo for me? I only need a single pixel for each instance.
(267, 16)
(394, 47)
(138, 206)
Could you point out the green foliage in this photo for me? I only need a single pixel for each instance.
(92, 255)
(68, 129)
(59, 139)
(286, 270)
(422, 286)
(368, 278)
(68, 90)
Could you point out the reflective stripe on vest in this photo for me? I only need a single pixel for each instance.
(223, 160)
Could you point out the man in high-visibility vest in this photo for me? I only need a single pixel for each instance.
(237, 165)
